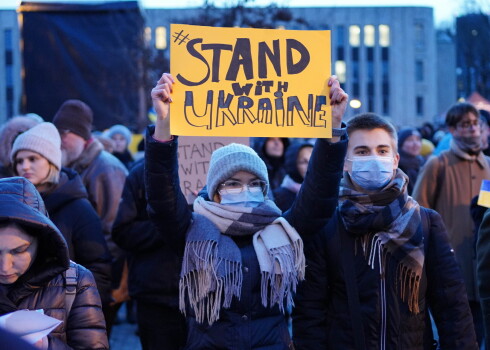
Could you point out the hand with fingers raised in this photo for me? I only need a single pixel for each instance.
(161, 96)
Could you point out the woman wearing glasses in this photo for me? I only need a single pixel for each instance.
(241, 259)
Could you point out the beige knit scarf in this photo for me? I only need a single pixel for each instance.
(212, 268)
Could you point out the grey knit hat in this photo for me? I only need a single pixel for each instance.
(228, 160)
(120, 129)
(75, 116)
(43, 139)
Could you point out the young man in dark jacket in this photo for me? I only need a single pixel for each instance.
(381, 262)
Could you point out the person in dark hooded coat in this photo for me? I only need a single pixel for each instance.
(272, 151)
(33, 260)
(297, 159)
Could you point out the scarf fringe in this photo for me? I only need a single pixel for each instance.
(279, 287)
(201, 284)
(409, 280)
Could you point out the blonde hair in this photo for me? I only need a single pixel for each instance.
(52, 178)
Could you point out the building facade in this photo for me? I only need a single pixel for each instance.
(10, 65)
(385, 57)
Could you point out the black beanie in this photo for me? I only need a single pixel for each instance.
(75, 116)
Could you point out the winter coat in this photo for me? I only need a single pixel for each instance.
(410, 165)
(43, 284)
(461, 180)
(103, 176)
(125, 157)
(275, 166)
(284, 196)
(148, 255)
(321, 319)
(247, 324)
(483, 273)
(70, 210)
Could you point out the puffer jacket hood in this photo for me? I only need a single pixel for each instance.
(21, 202)
(290, 164)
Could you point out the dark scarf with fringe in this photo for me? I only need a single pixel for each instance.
(387, 222)
(212, 266)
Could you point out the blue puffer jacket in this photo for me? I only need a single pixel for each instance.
(246, 324)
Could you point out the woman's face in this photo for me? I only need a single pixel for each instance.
(274, 147)
(119, 143)
(304, 156)
(32, 166)
(412, 145)
(17, 253)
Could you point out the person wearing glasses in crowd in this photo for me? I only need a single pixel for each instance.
(241, 260)
(448, 182)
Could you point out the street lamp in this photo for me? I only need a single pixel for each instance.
(355, 103)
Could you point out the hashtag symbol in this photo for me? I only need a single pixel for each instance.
(180, 37)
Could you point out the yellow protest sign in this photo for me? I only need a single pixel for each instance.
(250, 82)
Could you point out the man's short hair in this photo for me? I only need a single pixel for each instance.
(457, 111)
(371, 121)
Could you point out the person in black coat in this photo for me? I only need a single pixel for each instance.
(381, 262)
(154, 269)
(272, 150)
(297, 158)
(36, 155)
(409, 147)
(225, 292)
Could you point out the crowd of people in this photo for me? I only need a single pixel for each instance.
(370, 239)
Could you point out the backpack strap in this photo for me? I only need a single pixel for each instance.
(71, 282)
(440, 178)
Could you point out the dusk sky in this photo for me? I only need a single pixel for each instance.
(444, 10)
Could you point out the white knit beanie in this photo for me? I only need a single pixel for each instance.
(43, 139)
(228, 160)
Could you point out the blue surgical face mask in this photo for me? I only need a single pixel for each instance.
(243, 199)
(373, 172)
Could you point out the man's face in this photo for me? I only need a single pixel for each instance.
(376, 142)
(468, 126)
(72, 146)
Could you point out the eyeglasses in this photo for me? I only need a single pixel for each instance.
(469, 123)
(235, 187)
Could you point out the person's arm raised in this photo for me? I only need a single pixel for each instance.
(161, 98)
(317, 199)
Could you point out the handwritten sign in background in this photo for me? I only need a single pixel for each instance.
(250, 82)
(194, 155)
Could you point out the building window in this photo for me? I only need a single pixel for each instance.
(9, 72)
(369, 35)
(420, 106)
(161, 38)
(340, 35)
(340, 70)
(354, 36)
(147, 35)
(419, 71)
(419, 35)
(384, 35)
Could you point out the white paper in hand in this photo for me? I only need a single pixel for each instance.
(29, 325)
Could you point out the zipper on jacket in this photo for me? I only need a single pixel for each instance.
(382, 287)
